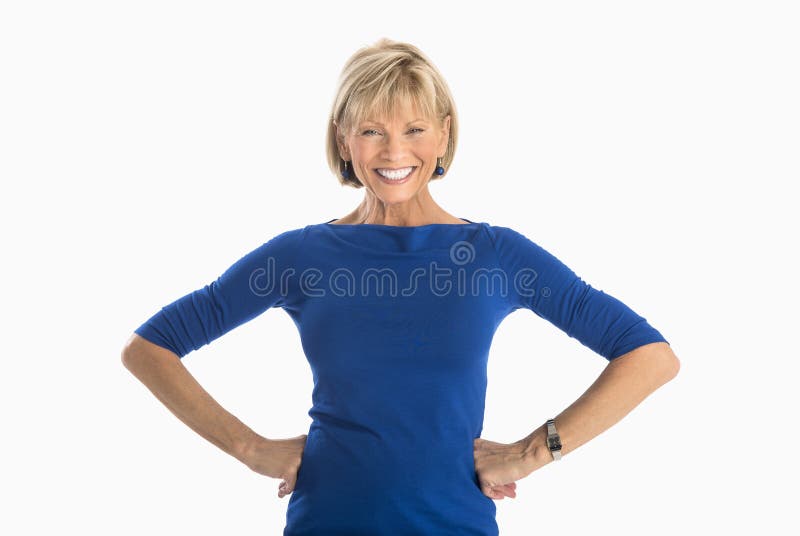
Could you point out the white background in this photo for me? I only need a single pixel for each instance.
(651, 146)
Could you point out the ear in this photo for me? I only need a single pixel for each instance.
(344, 153)
(445, 133)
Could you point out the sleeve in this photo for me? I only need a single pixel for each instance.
(246, 289)
(538, 281)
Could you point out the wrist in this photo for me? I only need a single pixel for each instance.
(246, 445)
(536, 453)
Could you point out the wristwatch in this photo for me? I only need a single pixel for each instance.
(553, 439)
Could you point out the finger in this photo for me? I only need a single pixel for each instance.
(492, 493)
(285, 488)
(506, 490)
(489, 485)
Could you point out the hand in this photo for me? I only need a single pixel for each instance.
(277, 458)
(499, 466)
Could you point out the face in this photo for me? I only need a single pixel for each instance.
(405, 141)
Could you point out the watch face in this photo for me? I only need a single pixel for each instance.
(553, 443)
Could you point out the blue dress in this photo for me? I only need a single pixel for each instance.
(396, 323)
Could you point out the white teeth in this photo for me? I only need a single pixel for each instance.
(395, 174)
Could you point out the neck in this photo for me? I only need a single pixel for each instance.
(419, 210)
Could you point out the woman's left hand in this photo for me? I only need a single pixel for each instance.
(499, 466)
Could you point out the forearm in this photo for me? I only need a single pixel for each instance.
(168, 379)
(623, 384)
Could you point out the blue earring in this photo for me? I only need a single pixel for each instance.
(439, 168)
(345, 172)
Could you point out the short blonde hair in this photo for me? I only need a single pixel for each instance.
(374, 81)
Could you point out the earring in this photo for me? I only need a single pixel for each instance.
(345, 172)
(439, 168)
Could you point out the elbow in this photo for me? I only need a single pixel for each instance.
(136, 351)
(669, 364)
(676, 365)
(139, 351)
(655, 360)
(128, 353)
(672, 364)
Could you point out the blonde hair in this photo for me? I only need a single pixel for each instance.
(377, 79)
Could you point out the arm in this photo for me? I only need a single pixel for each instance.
(640, 358)
(253, 284)
(164, 374)
(162, 371)
(623, 384)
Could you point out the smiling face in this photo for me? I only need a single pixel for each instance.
(394, 145)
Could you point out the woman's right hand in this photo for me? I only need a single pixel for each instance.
(277, 458)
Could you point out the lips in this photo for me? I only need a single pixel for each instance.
(395, 173)
(406, 169)
(396, 178)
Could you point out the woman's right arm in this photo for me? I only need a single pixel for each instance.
(162, 371)
(155, 350)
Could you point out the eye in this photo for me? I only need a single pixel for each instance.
(367, 132)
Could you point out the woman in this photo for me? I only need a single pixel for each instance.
(396, 304)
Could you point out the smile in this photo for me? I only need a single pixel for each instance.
(395, 175)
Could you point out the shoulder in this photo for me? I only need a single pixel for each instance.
(280, 245)
(288, 239)
(517, 250)
(505, 238)
(503, 232)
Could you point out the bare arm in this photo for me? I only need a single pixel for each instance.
(623, 384)
(163, 373)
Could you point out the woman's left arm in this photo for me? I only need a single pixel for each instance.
(623, 384)
(640, 358)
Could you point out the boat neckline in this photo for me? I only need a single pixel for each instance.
(382, 226)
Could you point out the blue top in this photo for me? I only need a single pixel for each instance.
(396, 323)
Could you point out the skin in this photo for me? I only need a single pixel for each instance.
(624, 383)
(162, 371)
(407, 139)
(396, 142)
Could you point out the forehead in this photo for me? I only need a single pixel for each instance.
(401, 112)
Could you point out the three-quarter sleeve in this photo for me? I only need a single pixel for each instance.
(539, 281)
(253, 284)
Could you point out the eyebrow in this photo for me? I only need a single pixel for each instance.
(379, 123)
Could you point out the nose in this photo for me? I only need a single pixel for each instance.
(393, 148)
